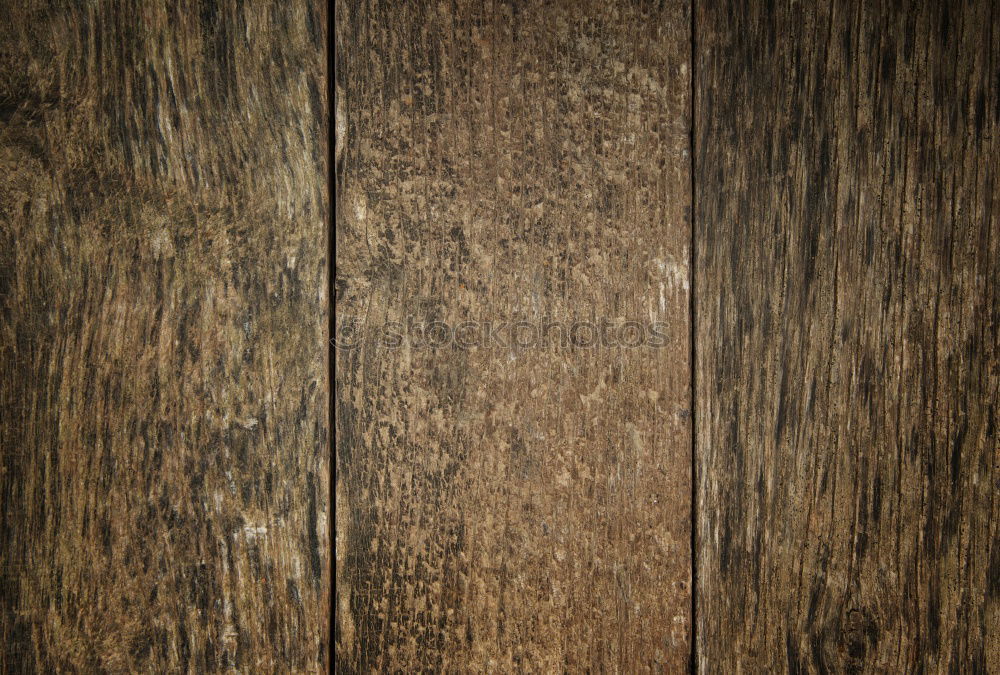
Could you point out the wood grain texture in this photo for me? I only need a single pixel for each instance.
(505, 508)
(847, 313)
(163, 434)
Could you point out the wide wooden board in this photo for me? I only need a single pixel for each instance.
(163, 391)
(507, 507)
(847, 308)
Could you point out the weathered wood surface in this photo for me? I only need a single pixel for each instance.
(507, 509)
(846, 173)
(163, 393)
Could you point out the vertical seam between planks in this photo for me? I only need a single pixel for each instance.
(692, 306)
(331, 353)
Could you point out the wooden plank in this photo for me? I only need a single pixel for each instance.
(503, 507)
(163, 434)
(846, 174)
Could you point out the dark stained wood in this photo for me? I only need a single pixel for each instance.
(847, 310)
(163, 391)
(509, 509)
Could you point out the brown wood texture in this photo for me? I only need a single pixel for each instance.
(163, 393)
(846, 175)
(506, 508)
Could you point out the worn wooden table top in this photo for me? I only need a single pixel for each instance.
(667, 336)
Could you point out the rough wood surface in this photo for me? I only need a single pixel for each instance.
(847, 311)
(163, 397)
(505, 508)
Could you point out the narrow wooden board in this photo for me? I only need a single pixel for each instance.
(847, 308)
(505, 508)
(163, 394)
